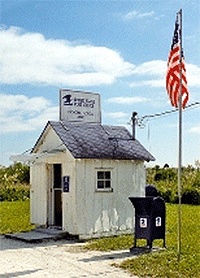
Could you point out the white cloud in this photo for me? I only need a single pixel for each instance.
(127, 100)
(115, 115)
(193, 75)
(18, 113)
(150, 83)
(22, 103)
(31, 58)
(135, 14)
(156, 69)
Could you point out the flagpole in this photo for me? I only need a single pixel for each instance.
(180, 143)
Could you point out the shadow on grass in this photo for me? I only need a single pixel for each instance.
(121, 255)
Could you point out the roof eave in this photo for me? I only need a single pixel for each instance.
(40, 137)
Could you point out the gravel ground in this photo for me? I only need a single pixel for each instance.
(57, 259)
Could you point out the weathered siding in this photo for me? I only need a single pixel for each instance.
(103, 213)
(42, 208)
(69, 202)
(86, 211)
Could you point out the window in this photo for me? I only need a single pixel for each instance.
(104, 180)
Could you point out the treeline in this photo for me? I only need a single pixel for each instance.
(14, 182)
(166, 181)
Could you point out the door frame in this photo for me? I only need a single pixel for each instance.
(51, 196)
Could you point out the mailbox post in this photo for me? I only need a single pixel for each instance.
(149, 219)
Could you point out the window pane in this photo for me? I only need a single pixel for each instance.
(107, 184)
(100, 175)
(100, 184)
(107, 175)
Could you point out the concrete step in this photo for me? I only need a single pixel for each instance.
(39, 235)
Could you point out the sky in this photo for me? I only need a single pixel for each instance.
(118, 49)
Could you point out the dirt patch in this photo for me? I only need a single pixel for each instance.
(58, 259)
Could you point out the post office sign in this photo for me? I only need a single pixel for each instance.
(77, 106)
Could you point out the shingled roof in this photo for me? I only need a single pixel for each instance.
(98, 141)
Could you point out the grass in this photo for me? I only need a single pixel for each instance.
(15, 217)
(163, 263)
(111, 243)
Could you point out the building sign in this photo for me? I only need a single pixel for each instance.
(66, 180)
(76, 106)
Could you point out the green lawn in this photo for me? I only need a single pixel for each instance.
(15, 217)
(164, 263)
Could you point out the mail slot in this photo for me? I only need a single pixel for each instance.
(149, 219)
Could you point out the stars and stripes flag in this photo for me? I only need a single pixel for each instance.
(176, 72)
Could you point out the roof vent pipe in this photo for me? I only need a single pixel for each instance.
(133, 120)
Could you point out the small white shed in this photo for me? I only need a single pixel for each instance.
(82, 177)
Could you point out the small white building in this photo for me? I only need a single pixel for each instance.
(82, 176)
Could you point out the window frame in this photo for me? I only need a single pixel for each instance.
(104, 180)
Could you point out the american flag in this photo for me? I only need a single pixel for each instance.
(175, 62)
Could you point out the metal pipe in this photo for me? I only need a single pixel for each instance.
(133, 119)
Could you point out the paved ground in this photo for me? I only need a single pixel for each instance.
(58, 259)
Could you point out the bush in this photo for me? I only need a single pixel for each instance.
(166, 181)
(17, 192)
(14, 183)
(191, 197)
(17, 173)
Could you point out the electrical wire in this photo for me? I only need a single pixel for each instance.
(141, 122)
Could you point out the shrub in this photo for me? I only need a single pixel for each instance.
(17, 192)
(17, 173)
(14, 182)
(166, 181)
(191, 197)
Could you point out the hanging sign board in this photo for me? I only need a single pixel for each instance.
(76, 106)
